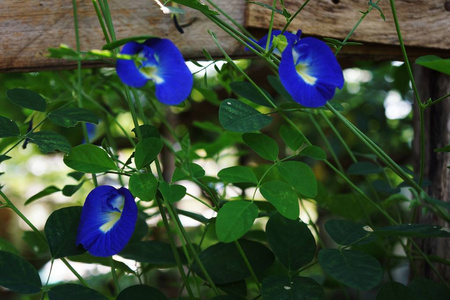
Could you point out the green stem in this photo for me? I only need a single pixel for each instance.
(430, 103)
(294, 16)
(100, 20)
(39, 234)
(269, 34)
(247, 263)
(327, 143)
(113, 272)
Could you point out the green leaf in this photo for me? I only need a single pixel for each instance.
(291, 241)
(146, 151)
(8, 128)
(349, 206)
(4, 157)
(45, 192)
(239, 117)
(61, 232)
(291, 137)
(8, 247)
(437, 202)
(262, 144)
(346, 232)
(70, 116)
(18, 275)
(224, 263)
(423, 288)
(289, 288)
(76, 175)
(71, 291)
(89, 159)
(235, 219)
(118, 43)
(182, 172)
(141, 292)
(443, 149)
(352, 268)
(49, 141)
(281, 195)
(238, 174)
(197, 5)
(36, 243)
(152, 252)
(414, 230)
(172, 192)
(394, 291)
(70, 189)
(435, 63)
(300, 176)
(364, 168)
(27, 99)
(143, 186)
(148, 131)
(250, 92)
(314, 152)
(104, 261)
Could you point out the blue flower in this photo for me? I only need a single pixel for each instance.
(308, 70)
(161, 62)
(107, 221)
(290, 37)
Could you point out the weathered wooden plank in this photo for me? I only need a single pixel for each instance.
(424, 23)
(29, 28)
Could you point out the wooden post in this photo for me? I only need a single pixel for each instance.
(433, 85)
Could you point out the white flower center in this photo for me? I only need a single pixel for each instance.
(302, 70)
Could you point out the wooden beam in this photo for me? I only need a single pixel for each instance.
(425, 25)
(29, 28)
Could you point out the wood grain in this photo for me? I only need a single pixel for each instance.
(29, 27)
(424, 23)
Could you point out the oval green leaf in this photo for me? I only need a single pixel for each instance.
(234, 219)
(238, 174)
(71, 291)
(27, 99)
(8, 128)
(291, 137)
(262, 144)
(414, 230)
(45, 192)
(172, 192)
(300, 177)
(143, 186)
(70, 116)
(314, 152)
(364, 168)
(395, 291)
(250, 92)
(435, 63)
(61, 232)
(152, 252)
(291, 241)
(224, 263)
(18, 275)
(346, 232)
(49, 141)
(89, 159)
(352, 268)
(239, 117)
(281, 195)
(146, 151)
(141, 292)
(288, 288)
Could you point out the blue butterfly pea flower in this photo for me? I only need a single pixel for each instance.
(290, 37)
(159, 61)
(107, 222)
(308, 69)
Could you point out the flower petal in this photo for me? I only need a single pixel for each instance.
(291, 38)
(127, 70)
(104, 230)
(177, 80)
(316, 84)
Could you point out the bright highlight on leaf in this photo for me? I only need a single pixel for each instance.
(107, 221)
(158, 60)
(308, 69)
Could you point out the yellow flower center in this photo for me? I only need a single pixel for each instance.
(302, 70)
